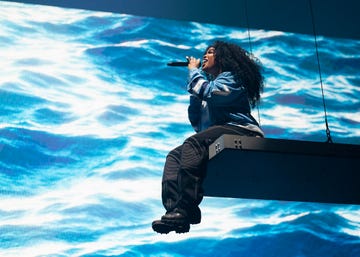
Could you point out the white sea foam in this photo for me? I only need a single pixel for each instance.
(95, 186)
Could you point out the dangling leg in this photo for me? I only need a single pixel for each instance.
(194, 157)
(170, 188)
(192, 169)
(190, 175)
(170, 193)
(192, 172)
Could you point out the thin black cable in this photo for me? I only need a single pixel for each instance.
(329, 140)
(248, 26)
(250, 47)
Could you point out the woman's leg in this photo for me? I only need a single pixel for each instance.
(190, 166)
(194, 158)
(170, 187)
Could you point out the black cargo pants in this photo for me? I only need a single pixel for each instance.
(185, 168)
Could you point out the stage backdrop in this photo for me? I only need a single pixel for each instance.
(89, 110)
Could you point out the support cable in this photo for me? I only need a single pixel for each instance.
(329, 140)
(248, 26)
(250, 47)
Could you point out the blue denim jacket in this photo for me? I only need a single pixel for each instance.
(218, 102)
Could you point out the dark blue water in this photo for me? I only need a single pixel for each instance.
(89, 110)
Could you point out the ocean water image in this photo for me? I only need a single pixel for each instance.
(89, 110)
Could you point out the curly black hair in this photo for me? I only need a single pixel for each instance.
(247, 69)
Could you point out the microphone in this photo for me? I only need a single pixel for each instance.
(178, 64)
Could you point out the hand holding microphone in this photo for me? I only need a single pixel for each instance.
(190, 63)
(193, 62)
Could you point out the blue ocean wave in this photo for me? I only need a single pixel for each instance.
(89, 109)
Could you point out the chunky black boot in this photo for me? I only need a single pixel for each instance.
(162, 227)
(176, 220)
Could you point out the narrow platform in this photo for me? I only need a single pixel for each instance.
(289, 170)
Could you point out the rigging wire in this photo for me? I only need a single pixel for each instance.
(250, 47)
(329, 140)
(248, 26)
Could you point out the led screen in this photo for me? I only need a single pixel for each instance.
(89, 110)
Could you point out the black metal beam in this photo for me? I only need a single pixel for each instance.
(277, 169)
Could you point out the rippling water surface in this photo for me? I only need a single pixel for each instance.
(89, 110)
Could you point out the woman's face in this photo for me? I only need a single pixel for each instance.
(208, 63)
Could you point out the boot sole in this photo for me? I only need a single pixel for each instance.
(164, 227)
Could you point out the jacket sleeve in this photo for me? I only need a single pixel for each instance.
(194, 112)
(220, 91)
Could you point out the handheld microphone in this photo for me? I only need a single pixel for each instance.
(178, 64)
